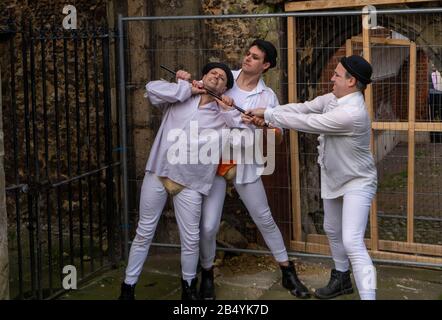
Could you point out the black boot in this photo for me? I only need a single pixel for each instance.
(291, 282)
(339, 284)
(127, 292)
(207, 287)
(189, 292)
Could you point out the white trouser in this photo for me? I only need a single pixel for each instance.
(187, 206)
(254, 197)
(212, 209)
(345, 221)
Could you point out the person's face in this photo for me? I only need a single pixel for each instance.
(215, 80)
(253, 61)
(342, 85)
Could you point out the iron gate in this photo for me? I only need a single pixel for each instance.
(61, 177)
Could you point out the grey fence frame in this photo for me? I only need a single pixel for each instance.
(123, 106)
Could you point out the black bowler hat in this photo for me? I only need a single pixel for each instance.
(269, 49)
(213, 65)
(358, 67)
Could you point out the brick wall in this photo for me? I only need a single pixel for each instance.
(422, 78)
(422, 86)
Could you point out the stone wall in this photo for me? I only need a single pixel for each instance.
(46, 12)
(228, 39)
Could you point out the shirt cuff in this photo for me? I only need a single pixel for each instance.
(268, 115)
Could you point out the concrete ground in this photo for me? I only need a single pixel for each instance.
(250, 277)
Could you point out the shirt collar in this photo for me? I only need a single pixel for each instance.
(350, 97)
(212, 105)
(261, 86)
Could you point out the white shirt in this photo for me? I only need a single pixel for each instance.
(260, 96)
(344, 143)
(180, 110)
(437, 80)
(239, 95)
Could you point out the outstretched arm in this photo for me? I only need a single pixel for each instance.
(337, 121)
(316, 105)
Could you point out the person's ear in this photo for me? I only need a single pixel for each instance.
(266, 66)
(352, 81)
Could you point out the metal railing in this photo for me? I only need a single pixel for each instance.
(60, 166)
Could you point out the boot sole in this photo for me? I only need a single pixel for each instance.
(297, 294)
(300, 295)
(208, 297)
(340, 293)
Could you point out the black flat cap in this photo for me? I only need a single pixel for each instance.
(269, 49)
(358, 67)
(213, 65)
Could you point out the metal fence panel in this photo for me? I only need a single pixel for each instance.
(189, 42)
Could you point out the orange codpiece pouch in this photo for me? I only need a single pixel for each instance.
(227, 170)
